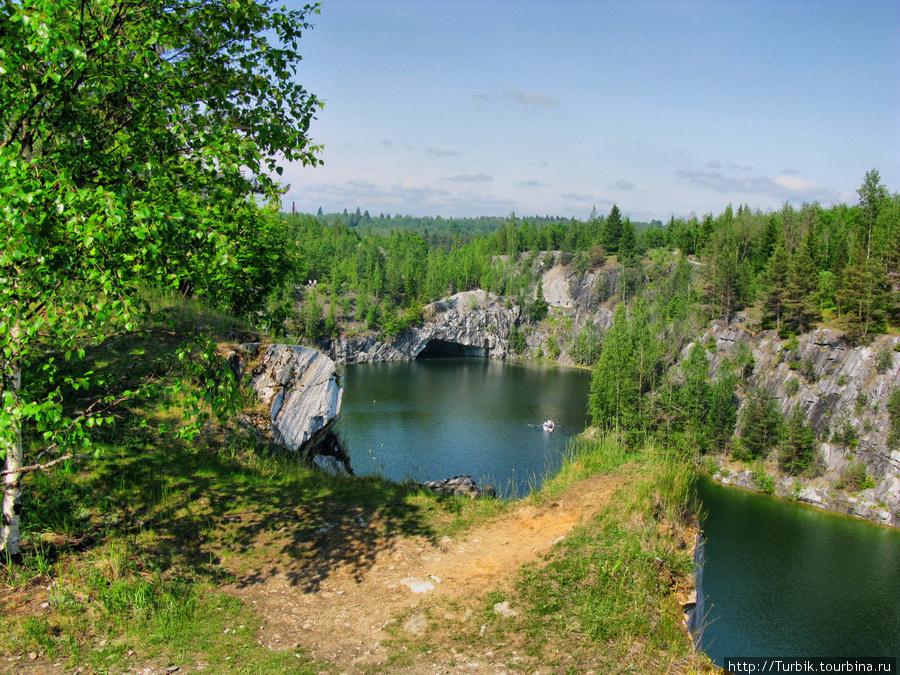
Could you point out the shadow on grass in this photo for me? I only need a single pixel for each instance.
(194, 509)
(197, 511)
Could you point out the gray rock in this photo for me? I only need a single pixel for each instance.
(463, 486)
(473, 323)
(301, 391)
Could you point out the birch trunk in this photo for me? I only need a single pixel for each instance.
(12, 482)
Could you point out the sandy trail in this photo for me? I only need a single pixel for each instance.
(419, 584)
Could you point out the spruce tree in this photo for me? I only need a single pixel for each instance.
(800, 292)
(798, 446)
(614, 385)
(759, 424)
(612, 230)
(775, 280)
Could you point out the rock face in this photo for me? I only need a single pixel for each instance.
(844, 396)
(301, 391)
(474, 323)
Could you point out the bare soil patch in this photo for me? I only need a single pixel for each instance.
(404, 587)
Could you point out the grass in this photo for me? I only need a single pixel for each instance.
(133, 547)
(609, 597)
(133, 572)
(123, 558)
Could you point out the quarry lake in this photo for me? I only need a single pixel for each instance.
(780, 578)
(788, 580)
(438, 418)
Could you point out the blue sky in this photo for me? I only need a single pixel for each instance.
(467, 108)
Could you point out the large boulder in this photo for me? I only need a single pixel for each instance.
(301, 391)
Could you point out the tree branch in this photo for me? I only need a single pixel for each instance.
(45, 466)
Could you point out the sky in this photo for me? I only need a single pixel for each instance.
(465, 108)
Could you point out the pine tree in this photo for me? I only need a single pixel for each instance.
(800, 298)
(759, 424)
(612, 230)
(694, 395)
(798, 446)
(864, 296)
(775, 279)
(614, 385)
(722, 407)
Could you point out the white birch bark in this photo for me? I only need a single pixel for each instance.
(12, 482)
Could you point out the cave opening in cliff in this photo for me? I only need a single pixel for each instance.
(438, 349)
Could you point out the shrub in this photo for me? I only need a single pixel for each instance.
(854, 478)
(893, 406)
(792, 386)
(884, 360)
(764, 482)
(517, 342)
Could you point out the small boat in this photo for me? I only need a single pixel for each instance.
(549, 425)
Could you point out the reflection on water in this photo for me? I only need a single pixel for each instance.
(429, 420)
(785, 579)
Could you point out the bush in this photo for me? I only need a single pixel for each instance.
(792, 386)
(884, 360)
(517, 343)
(764, 482)
(854, 478)
(893, 406)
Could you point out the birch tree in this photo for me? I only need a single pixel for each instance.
(138, 139)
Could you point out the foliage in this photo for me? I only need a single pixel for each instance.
(609, 589)
(517, 344)
(893, 406)
(136, 142)
(884, 360)
(764, 482)
(798, 445)
(538, 308)
(588, 344)
(615, 388)
(759, 425)
(854, 478)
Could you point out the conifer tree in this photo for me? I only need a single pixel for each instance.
(614, 386)
(800, 296)
(776, 290)
(798, 446)
(759, 424)
(864, 296)
(612, 230)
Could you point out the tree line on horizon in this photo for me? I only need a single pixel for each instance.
(802, 264)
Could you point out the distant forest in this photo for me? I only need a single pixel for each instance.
(437, 228)
(802, 265)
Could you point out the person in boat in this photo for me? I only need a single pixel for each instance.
(549, 425)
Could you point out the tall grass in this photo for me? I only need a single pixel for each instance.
(609, 591)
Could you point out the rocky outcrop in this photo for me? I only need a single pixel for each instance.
(474, 323)
(301, 393)
(844, 395)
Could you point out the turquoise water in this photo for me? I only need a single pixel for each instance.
(787, 580)
(438, 418)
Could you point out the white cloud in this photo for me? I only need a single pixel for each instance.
(470, 178)
(528, 97)
(621, 186)
(577, 196)
(779, 187)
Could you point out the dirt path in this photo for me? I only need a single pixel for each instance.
(410, 587)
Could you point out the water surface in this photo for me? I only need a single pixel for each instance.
(785, 579)
(438, 418)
